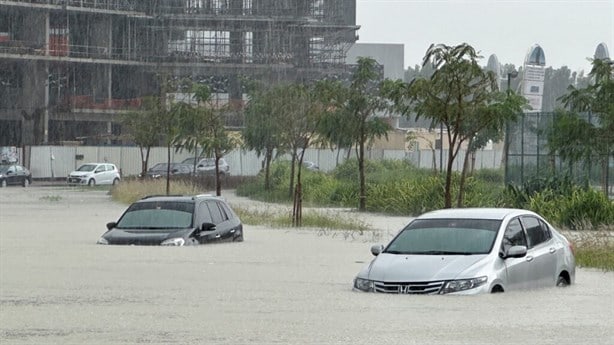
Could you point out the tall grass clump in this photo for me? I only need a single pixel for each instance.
(129, 191)
(595, 249)
(563, 203)
(393, 187)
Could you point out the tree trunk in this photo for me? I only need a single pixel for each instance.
(448, 187)
(168, 169)
(218, 180)
(297, 211)
(291, 190)
(268, 156)
(461, 185)
(362, 206)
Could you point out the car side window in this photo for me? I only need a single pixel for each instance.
(545, 229)
(226, 209)
(216, 214)
(99, 168)
(535, 231)
(514, 235)
(204, 215)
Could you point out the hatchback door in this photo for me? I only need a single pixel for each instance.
(203, 215)
(227, 225)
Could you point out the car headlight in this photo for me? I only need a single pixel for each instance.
(178, 241)
(463, 284)
(102, 240)
(365, 285)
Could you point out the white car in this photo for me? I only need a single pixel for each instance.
(206, 166)
(92, 174)
(470, 251)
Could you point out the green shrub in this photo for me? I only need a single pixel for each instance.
(489, 175)
(587, 207)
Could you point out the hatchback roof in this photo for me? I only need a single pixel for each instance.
(183, 198)
(477, 213)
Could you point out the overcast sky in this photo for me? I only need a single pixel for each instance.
(568, 31)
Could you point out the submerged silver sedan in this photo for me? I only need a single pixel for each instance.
(470, 251)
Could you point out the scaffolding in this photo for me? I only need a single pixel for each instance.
(91, 60)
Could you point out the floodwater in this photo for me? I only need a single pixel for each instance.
(280, 286)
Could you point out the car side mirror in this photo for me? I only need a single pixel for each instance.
(111, 225)
(377, 249)
(207, 227)
(516, 252)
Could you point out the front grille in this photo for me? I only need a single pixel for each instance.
(417, 288)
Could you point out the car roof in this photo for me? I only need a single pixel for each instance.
(475, 213)
(180, 198)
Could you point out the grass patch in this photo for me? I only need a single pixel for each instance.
(51, 198)
(595, 249)
(324, 220)
(129, 191)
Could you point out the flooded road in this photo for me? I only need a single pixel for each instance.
(280, 286)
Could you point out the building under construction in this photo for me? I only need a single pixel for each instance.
(70, 68)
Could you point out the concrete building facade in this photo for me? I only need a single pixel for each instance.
(70, 68)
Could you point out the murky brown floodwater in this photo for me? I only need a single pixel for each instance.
(279, 286)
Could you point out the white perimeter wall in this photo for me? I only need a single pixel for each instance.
(59, 161)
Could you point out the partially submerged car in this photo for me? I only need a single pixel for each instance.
(175, 221)
(92, 174)
(470, 251)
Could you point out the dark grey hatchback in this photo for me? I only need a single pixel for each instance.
(175, 221)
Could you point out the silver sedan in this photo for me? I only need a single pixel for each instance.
(470, 251)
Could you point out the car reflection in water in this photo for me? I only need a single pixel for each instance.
(470, 251)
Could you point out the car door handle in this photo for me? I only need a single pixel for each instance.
(218, 236)
(529, 258)
(552, 250)
(233, 231)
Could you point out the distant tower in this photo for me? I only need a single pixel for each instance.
(533, 77)
(495, 67)
(601, 53)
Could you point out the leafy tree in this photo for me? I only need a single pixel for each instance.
(264, 123)
(203, 125)
(460, 95)
(576, 138)
(505, 107)
(354, 117)
(306, 107)
(144, 127)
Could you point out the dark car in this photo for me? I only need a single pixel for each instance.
(14, 174)
(176, 169)
(175, 221)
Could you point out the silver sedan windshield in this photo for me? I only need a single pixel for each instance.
(446, 237)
